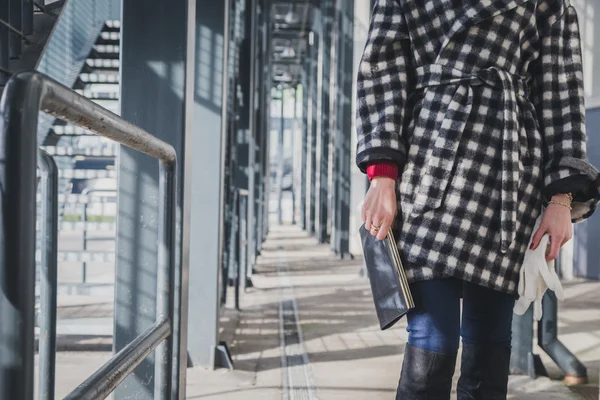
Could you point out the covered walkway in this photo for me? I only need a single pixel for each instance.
(348, 356)
(195, 221)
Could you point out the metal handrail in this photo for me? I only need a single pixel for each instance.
(24, 96)
(111, 374)
(48, 275)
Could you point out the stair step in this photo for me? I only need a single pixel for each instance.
(90, 226)
(107, 49)
(86, 174)
(82, 256)
(101, 53)
(102, 63)
(108, 77)
(114, 35)
(113, 24)
(70, 130)
(100, 91)
(78, 151)
(98, 95)
(107, 197)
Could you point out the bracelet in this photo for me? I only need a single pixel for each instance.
(570, 196)
(561, 204)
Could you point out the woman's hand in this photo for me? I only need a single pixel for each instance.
(556, 222)
(380, 207)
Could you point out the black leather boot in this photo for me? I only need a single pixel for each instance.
(425, 375)
(483, 372)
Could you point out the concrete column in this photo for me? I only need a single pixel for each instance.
(206, 211)
(280, 159)
(323, 132)
(362, 14)
(156, 54)
(579, 258)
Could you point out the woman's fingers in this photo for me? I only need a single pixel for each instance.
(376, 225)
(380, 206)
(555, 243)
(568, 236)
(556, 221)
(535, 242)
(368, 221)
(385, 228)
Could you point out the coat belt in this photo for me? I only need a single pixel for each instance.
(510, 86)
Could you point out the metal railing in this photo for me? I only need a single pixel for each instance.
(523, 361)
(48, 275)
(23, 98)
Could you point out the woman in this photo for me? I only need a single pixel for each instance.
(470, 121)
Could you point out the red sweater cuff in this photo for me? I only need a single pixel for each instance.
(388, 170)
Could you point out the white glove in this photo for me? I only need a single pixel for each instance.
(535, 277)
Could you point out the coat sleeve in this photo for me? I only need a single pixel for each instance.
(557, 94)
(382, 88)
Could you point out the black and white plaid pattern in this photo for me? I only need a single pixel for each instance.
(481, 105)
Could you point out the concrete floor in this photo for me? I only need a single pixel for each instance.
(349, 357)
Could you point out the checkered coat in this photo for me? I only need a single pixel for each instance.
(480, 103)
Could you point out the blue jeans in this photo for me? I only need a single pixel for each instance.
(435, 325)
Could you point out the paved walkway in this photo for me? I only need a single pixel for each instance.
(349, 357)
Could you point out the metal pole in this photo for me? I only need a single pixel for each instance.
(319, 130)
(293, 136)
(240, 254)
(335, 143)
(244, 261)
(311, 160)
(48, 275)
(522, 358)
(4, 40)
(84, 237)
(347, 127)
(280, 164)
(252, 164)
(323, 137)
(267, 115)
(575, 371)
(167, 360)
(18, 180)
(174, 301)
(259, 126)
(16, 19)
(234, 256)
(27, 17)
(305, 136)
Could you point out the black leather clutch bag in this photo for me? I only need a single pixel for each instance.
(389, 285)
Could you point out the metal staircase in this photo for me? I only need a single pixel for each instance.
(25, 26)
(72, 43)
(86, 160)
(91, 158)
(86, 164)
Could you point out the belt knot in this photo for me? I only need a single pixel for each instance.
(511, 86)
